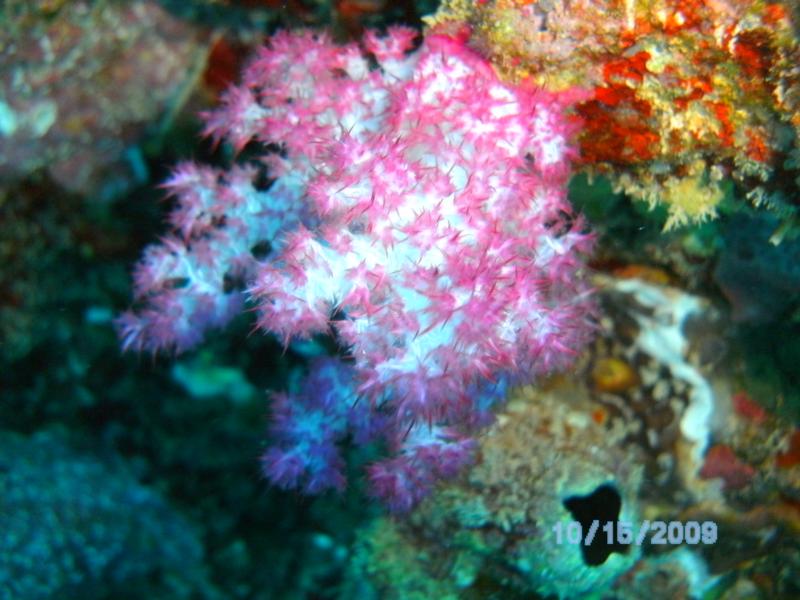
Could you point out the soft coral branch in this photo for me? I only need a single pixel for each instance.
(424, 203)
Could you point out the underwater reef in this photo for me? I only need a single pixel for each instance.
(686, 94)
(370, 299)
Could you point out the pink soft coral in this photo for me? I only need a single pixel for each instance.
(445, 242)
(433, 223)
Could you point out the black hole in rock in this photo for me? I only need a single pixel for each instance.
(602, 505)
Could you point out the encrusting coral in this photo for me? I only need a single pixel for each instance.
(684, 94)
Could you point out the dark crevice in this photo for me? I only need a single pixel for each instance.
(602, 505)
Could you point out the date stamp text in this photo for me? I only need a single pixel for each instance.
(625, 533)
